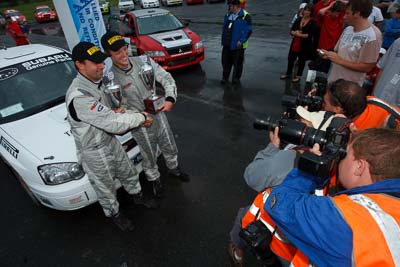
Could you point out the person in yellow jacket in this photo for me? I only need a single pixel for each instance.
(356, 227)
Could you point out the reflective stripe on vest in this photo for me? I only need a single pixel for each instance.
(245, 44)
(386, 223)
(280, 245)
(376, 233)
(372, 217)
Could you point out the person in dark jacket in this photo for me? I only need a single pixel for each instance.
(302, 46)
(236, 31)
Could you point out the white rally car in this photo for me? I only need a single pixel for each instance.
(35, 136)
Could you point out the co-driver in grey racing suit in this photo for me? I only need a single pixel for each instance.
(93, 126)
(134, 92)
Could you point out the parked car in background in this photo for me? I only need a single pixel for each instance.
(15, 15)
(104, 6)
(35, 137)
(171, 2)
(159, 34)
(44, 13)
(192, 2)
(126, 6)
(149, 3)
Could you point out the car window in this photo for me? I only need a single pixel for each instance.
(157, 23)
(43, 9)
(30, 90)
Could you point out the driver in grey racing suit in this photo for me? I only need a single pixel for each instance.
(134, 92)
(93, 126)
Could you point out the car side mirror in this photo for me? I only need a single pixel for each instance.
(185, 22)
(125, 30)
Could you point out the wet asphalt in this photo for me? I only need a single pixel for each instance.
(214, 133)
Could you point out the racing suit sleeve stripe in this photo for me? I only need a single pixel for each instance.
(72, 111)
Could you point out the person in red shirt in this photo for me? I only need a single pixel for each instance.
(331, 22)
(320, 5)
(15, 31)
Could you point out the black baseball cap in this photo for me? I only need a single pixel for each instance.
(234, 2)
(112, 41)
(89, 51)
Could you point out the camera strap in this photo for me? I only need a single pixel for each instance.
(327, 115)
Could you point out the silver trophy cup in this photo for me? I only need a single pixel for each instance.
(113, 91)
(154, 103)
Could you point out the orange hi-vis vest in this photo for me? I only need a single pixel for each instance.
(375, 222)
(373, 115)
(280, 245)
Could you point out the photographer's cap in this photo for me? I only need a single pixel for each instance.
(316, 118)
(112, 41)
(89, 51)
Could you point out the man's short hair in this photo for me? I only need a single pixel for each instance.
(362, 6)
(338, 6)
(349, 96)
(380, 148)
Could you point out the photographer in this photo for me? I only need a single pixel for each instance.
(365, 211)
(267, 170)
(348, 98)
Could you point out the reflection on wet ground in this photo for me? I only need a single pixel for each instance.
(49, 29)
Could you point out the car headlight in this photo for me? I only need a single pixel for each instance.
(154, 53)
(198, 45)
(59, 173)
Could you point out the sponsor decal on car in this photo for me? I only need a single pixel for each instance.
(8, 73)
(9, 147)
(44, 61)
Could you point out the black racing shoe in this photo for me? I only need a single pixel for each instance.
(156, 188)
(122, 222)
(150, 203)
(178, 173)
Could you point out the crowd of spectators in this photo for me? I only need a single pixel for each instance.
(346, 39)
(295, 208)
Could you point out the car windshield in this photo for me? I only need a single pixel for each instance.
(14, 14)
(158, 23)
(43, 9)
(29, 91)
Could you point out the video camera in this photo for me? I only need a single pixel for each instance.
(314, 103)
(332, 142)
(315, 80)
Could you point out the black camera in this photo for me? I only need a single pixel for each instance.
(313, 103)
(258, 238)
(332, 142)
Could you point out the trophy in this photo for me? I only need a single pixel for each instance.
(113, 91)
(154, 103)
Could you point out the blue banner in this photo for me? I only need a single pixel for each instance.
(87, 19)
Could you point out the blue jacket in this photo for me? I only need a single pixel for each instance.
(392, 32)
(313, 223)
(241, 30)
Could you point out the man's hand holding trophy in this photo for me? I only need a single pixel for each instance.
(114, 94)
(154, 103)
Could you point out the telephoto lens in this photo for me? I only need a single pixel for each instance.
(292, 131)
